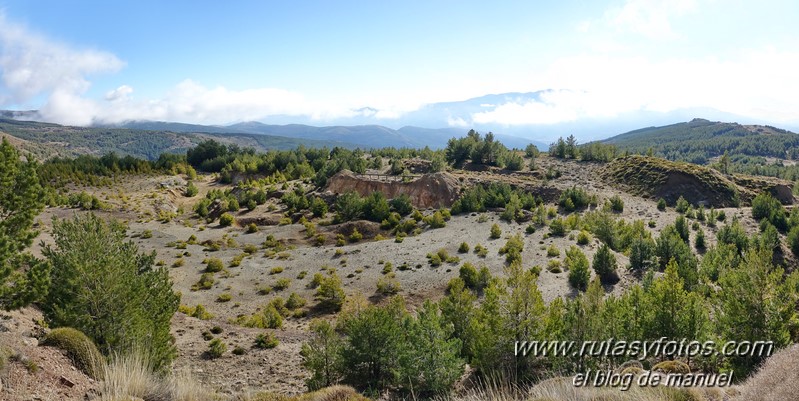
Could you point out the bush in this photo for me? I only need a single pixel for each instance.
(252, 228)
(793, 240)
(282, 284)
(616, 204)
(583, 238)
(554, 266)
(557, 227)
(356, 235)
(318, 207)
(530, 229)
(480, 250)
(388, 286)
(682, 205)
(79, 348)
(349, 206)
(266, 341)
(496, 232)
(191, 189)
(275, 270)
(574, 198)
(224, 297)
(435, 220)
(662, 205)
(463, 248)
(699, 241)
(225, 219)
(214, 265)
(330, 294)
(295, 301)
(605, 265)
(672, 367)
(216, 348)
(577, 263)
(513, 249)
(765, 206)
(401, 205)
(553, 251)
(205, 282)
(468, 273)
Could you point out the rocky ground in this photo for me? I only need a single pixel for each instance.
(137, 201)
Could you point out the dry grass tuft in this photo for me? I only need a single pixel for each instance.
(130, 377)
(777, 379)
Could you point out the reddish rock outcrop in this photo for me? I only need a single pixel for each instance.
(431, 190)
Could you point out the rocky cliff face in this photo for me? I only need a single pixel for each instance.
(431, 190)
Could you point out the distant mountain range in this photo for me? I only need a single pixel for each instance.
(364, 136)
(430, 125)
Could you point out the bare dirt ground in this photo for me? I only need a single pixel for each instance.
(137, 200)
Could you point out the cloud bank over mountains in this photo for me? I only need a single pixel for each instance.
(603, 80)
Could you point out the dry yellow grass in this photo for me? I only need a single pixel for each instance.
(129, 376)
(777, 379)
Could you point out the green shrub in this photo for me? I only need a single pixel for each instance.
(662, 205)
(616, 204)
(266, 341)
(224, 297)
(699, 241)
(388, 286)
(282, 284)
(295, 301)
(463, 248)
(793, 240)
(554, 266)
(225, 219)
(356, 235)
(435, 220)
(583, 238)
(214, 265)
(434, 259)
(605, 265)
(480, 250)
(401, 205)
(553, 251)
(574, 198)
(216, 348)
(330, 293)
(468, 273)
(252, 228)
(205, 282)
(318, 207)
(672, 367)
(513, 249)
(275, 270)
(496, 232)
(79, 348)
(682, 205)
(577, 263)
(146, 234)
(557, 228)
(191, 189)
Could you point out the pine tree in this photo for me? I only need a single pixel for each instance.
(605, 265)
(322, 355)
(457, 309)
(430, 361)
(577, 263)
(108, 290)
(23, 278)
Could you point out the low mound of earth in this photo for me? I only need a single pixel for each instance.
(658, 178)
(431, 190)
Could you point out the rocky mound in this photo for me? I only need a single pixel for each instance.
(659, 178)
(431, 190)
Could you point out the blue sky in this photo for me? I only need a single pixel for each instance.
(220, 62)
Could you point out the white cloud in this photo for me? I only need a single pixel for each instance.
(31, 65)
(651, 18)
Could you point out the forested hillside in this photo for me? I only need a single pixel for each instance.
(699, 140)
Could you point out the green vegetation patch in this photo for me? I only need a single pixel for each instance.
(79, 348)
